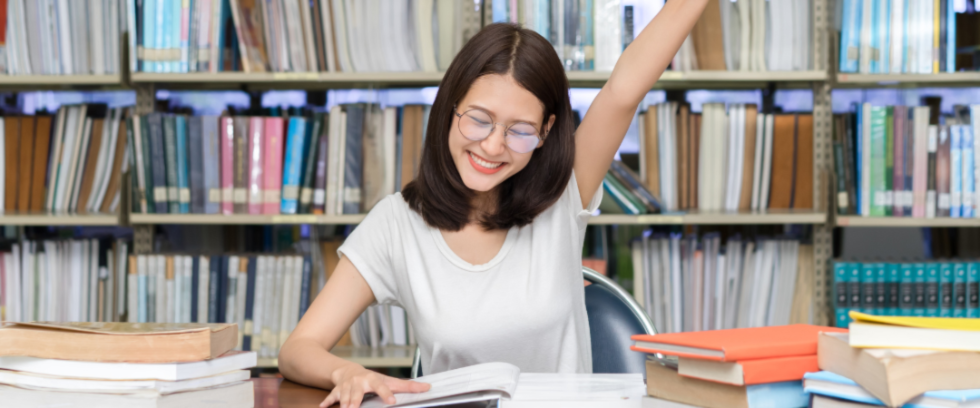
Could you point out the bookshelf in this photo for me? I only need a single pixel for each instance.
(102, 220)
(243, 219)
(907, 80)
(56, 81)
(381, 357)
(859, 221)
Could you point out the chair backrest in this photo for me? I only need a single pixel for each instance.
(613, 317)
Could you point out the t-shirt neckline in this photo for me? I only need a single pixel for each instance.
(459, 262)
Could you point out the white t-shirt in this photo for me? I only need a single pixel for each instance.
(525, 307)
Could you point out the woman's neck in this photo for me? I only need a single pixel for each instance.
(482, 203)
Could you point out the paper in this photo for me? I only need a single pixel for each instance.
(485, 381)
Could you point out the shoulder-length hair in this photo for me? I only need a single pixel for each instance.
(438, 192)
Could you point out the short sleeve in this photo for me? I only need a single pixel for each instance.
(573, 199)
(368, 247)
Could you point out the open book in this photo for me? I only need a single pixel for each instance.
(505, 382)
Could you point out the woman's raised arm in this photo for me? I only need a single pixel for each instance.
(604, 126)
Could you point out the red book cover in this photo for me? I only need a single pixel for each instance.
(274, 130)
(256, 193)
(736, 344)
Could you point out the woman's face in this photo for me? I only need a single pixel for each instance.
(486, 163)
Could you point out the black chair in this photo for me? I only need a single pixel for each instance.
(613, 317)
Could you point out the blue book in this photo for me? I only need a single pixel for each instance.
(147, 31)
(185, 36)
(249, 303)
(304, 291)
(850, 49)
(932, 289)
(499, 12)
(884, 34)
(919, 284)
(959, 289)
(966, 144)
(875, 68)
(892, 279)
(950, 37)
(946, 288)
(173, 35)
(542, 20)
(159, 33)
(955, 172)
(183, 170)
(195, 286)
(881, 294)
(972, 288)
(906, 289)
(212, 161)
(840, 293)
(859, 157)
(296, 133)
(778, 394)
(223, 11)
(833, 385)
(868, 288)
(213, 283)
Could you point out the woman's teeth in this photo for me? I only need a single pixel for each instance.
(484, 163)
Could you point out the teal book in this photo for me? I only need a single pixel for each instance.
(170, 146)
(932, 289)
(906, 289)
(145, 140)
(959, 288)
(840, 294)
(877, 165)
(147, 30)
(853, 287)
(946, 288)
(881, 294)
(292, 164)
(972, 287)
(868, 287)
(892, 279)
(919, 286)
(183, 178)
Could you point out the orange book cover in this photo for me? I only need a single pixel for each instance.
(736, 344)
(770, 370)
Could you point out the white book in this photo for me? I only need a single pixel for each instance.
(744, 10)
(177, 294)
(294, 31)
(694, 315)
(721, 277)
(188, 288)
(896, 37)
(142, 289)
(424, 37)
(27, 273)
(16, 299)
(931, 195)
(44, 382)
(344, 63)
(390, 130)
(404, 34)
(766, 164)
(107, 153)
(93, 275)
(258, 303)
(95, 16)
(286, 304)
(307, 15)
(169, 300)
(160, 274)
(57, 136)
(203, 279)
(763, 289)
(653, 283)
(122, 282)
(926, 50)
(70, 136)
(238, 394)
(333, 165)
(636, 253)
(242, 289)
(91, 370)
(677, 285)
(78, 166)
(132, 294)
(76, 302)
(341, 165)
(108, 274)
(230, 300)
(374, 335)
(297, 291)
(327, 27)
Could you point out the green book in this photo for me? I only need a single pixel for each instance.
(144, 125)
(959, 289)
(932, 288)
(877, 165)
(889, 160)
(170, 151)
(881, 294)
(853, 287)
(972, 287)
(868, 287)
(946, 288)
(841, 308)
(919, 286)
(906, 289)
(622, 196)
(891, 284)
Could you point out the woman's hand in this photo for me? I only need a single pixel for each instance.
(353, 381)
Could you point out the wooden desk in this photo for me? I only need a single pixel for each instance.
(280, 393)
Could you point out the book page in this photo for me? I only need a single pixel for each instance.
(498, 377)
(579, 387)
(126, 328)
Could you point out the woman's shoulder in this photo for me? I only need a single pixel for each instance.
(391, 207)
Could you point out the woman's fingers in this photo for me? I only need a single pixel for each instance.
(397, 385)
(331, 399)
(379, 387)
(356, 396)
(345, 395)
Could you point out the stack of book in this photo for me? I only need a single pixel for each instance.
(752, 368)
(122, 364)
(917, 288)
(70, 162)
(692, 284)
(898, 361)
(726, 160)
(625, 194)
(905, 161)
(61, 38)
(339, 162)
(898, 37)
(750, 35)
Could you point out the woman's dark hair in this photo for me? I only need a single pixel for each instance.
(438, 192)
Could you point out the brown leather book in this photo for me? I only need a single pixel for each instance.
(411, 142)
(11, 131)
(116, 177)
(783, 156)
(652, 152)
(803, 186)
(25, 163)
(693, 158)
(748, 158)
(707, 38)
(91, 162)
(683, 147)
(42, 145)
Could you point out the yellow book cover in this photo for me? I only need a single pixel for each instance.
(935, 38)
(941, 323)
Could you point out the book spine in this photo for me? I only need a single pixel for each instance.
(919, 286)
(227, 143)
(868, 295)
(309, 165)
(841, 307)
(933, 147)
(196, 155)
(946, 288)
(292, 165)
(973, 290)
(932, 288)
(256, 192)
(853, 287)
(960, 271)
(240, 164)
(898, 152)
(967, 170)
(909, 161)
(877, 166)
(249, 304)
(881, 292)
(943, 167)
(320, 183)
(273, 164)
(213, 292)
(170, 143)
(185, 29)
(159, 160)
(184, 191)
(889, 199)
(304, 290)
(955, 171)
(850, 36)
(195, 289)
(906, 289)
(211, 159)
(353, 165)
(892, 286)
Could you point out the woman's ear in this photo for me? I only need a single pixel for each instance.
(546, 129)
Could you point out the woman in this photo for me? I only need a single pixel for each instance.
(483, 249)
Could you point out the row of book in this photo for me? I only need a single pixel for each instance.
(902, 36)
(734, 159)
(88, 364)
(904, 161)
(687, 283)
(68, 162)
(750, 35)
(301, 36)
(338, 162)
(49, 37)
(931, 289)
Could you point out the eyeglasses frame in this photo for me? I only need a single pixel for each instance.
(506, 128)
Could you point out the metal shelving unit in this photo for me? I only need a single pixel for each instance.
(859, 221)
(388, 356)
(847, 80)
(59, 219)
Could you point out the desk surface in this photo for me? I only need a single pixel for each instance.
(280, 393)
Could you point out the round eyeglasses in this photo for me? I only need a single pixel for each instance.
(476, 125)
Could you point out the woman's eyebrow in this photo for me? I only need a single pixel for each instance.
(490, 112)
